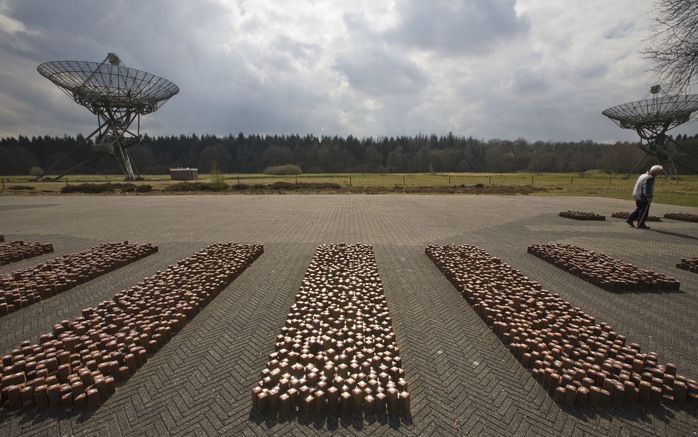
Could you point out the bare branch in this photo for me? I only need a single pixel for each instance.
(674, 49)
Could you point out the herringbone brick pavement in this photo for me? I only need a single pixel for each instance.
(29, 323)
(463, 381)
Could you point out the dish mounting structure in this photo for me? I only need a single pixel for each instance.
(652, 118)
(118, 96)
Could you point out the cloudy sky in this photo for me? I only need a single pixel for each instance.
(538, 69)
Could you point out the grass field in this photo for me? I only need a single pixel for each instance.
(676, 192)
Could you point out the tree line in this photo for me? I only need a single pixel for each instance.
(329, 154)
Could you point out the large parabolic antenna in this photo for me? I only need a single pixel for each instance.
(117, 95)
(652, 118)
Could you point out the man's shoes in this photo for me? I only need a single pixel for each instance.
(630, 222)
(643, 227)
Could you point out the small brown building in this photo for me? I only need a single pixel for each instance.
(184, 174)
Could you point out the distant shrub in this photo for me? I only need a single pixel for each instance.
(217, 178)
(289, 186)
(133, 188)
(250, 187)
(36, 171)
(106, 188)
(306, 186)
(20, 188)
(144, 188)
(285, 169)
(197, 186)
(88, 188)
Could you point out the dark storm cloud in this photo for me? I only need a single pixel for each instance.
(373, 66)
(458, 27)
(83, 29)
(224, 87)
(31, 105)
(375, 71)
(487, 68)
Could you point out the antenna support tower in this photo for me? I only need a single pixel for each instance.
(652, 118)
(117, 95)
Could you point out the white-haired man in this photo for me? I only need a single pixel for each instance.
(643, 192)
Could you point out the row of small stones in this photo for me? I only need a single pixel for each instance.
(79, 364)
(336, 353)
(682, 216)
(12, 251)
(602, 270)
(579, 215)
(690, 264)
(24, 287)
(626, 215)
(578, 361)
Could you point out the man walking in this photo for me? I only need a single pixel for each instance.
(643, 192)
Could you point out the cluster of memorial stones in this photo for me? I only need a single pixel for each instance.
(336, 353)
(690, 264)
(22, 288)
(626, 215)
(81, 361)
(683, 216)
(602, 270)
(12, 251)
(579, 361)
(579, 215)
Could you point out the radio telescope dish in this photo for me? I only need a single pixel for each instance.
(117, 95)
(652, 118)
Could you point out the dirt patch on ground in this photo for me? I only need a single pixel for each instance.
(334, 188)
(281, 188)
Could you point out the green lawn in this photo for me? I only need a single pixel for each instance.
(676, 192)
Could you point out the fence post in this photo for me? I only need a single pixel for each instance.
(349, 181)
(571, 179)
(449, 180)
(490, 178)
(531, 180)
(296, 179)
(403, 181)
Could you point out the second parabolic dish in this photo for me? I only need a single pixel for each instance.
(674, 110)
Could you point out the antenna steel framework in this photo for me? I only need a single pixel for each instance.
(117, 95)
(652, 118)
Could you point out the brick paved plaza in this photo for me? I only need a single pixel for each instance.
(462, 379)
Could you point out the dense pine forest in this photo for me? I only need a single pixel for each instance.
(255, 153)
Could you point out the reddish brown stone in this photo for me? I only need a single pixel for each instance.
(93, 399)
(341, 372)
(107, 342)
(562, 346)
